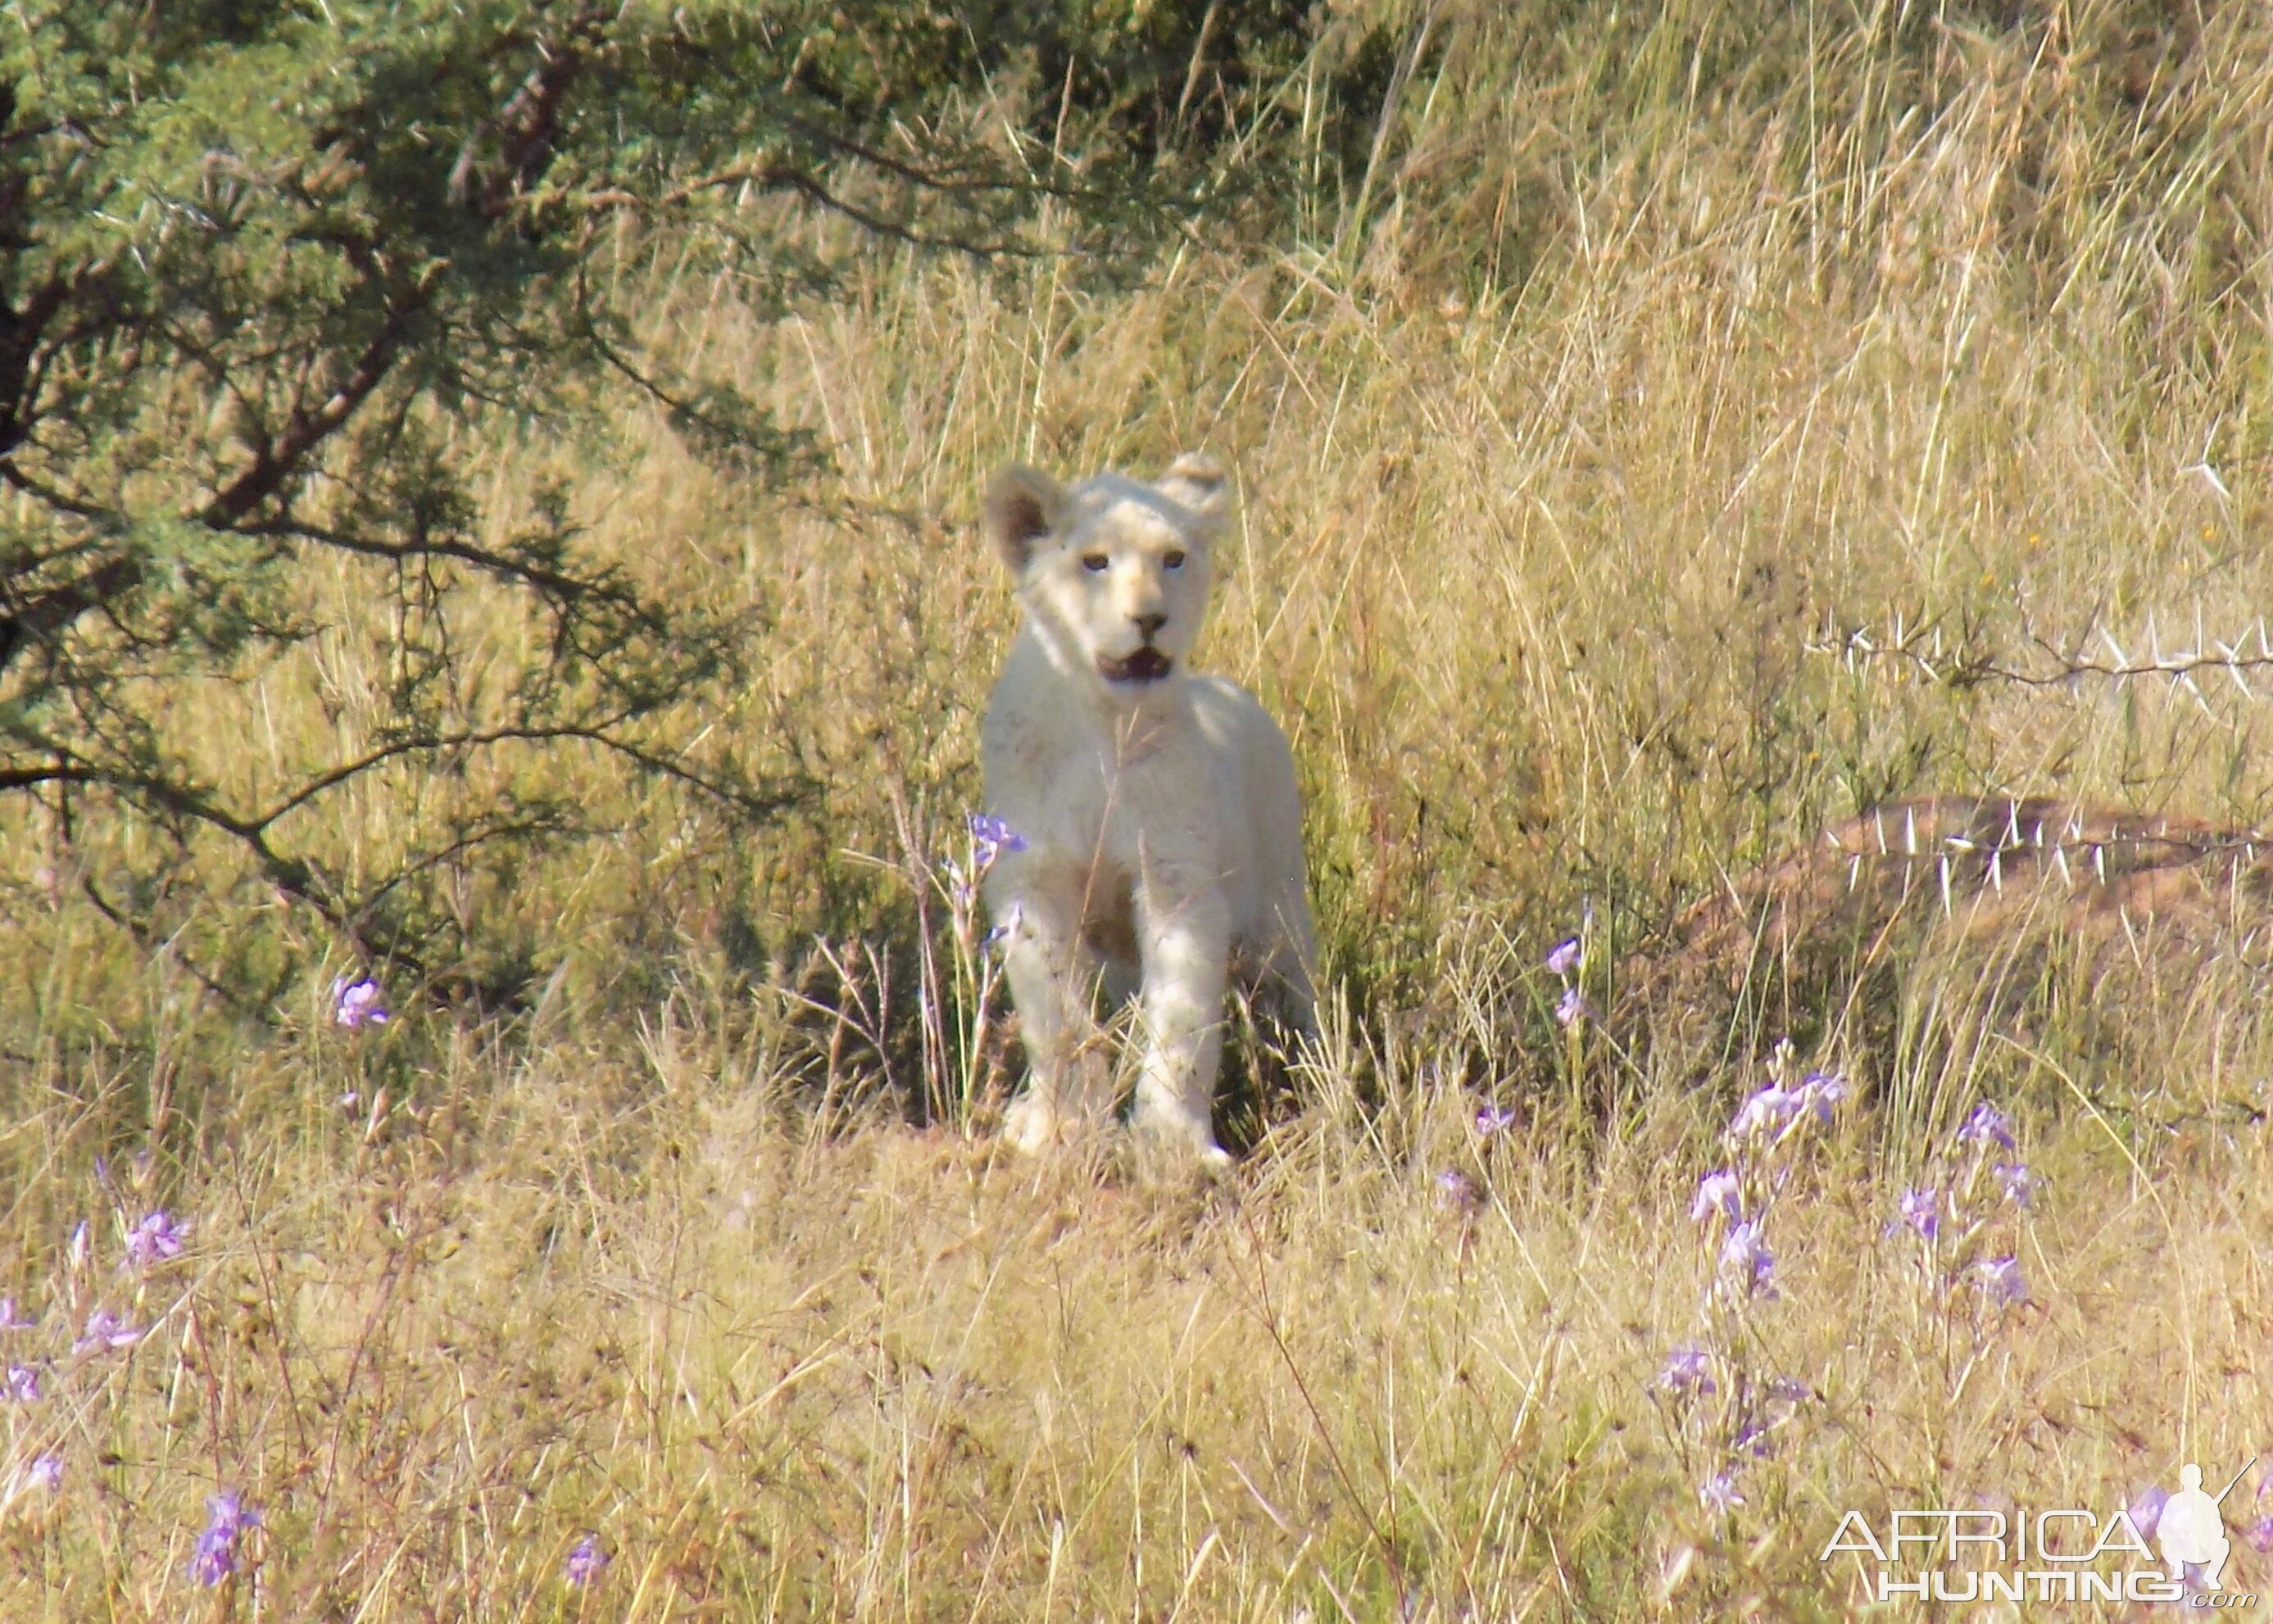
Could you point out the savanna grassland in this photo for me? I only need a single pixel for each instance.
(1673, 434)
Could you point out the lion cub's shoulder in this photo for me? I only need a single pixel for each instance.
(1230, 717)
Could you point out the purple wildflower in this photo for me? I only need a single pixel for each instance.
(45, 1474)
(2001, 1281)
(2018, 1182)
(214, 1557)
(1921, 1210)
(2146, 1510)
(1687, 1370)
(1752, 1439)
(158, 1238)
(1987, 1125)
(2260, 1536)
(82, 1245)
(9, 1320)
(1745, 1259)
(1571, 1007)
(21, 1385)
(1492, 1119)
(587, 1561)
(1564, 957)
(1820, 1092)
(105, 1329)
(1789, 1390)
(1722, 1193)
(991, 837)
(1457, 1191)
(1719, 1493)
(355, 1004)
(1767, 1111)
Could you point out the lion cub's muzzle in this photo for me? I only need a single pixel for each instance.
(1147, 664)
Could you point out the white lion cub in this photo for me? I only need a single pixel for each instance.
(1163, 835)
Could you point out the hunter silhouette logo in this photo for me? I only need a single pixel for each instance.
(2192, 1530)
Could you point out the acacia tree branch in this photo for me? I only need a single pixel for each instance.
(289, 874)
(590, 733)
(19, 338)
(293, 874)
(930, 180)
(813, 190)
(299, 879)
(278, 459)
(275, 462)
(48, 613)
(145, 939)
(520, 828)
(784, 177)
(528, 122)
(568, 589)
(62, 501)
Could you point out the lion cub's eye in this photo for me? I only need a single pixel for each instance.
(1093, 562)
(1173, 559)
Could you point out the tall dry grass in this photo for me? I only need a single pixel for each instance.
(1656, 359)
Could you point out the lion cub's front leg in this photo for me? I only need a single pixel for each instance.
(1053, 984)
(1185, 938)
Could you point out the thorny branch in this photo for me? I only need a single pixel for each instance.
(787, 178)
(1923, 647)
(276, 462)
(299, 879)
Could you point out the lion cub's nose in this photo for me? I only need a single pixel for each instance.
(1149, 626)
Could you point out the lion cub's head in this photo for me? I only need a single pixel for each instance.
(1113, 572)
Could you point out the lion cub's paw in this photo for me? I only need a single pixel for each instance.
(1035, 1126)
(1030, 1125)
(1163, 1136)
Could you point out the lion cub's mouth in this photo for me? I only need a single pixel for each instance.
(1147, 664)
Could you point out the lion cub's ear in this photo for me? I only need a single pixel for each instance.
(1197, 481)
(1022, 505)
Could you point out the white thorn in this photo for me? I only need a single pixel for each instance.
(2209, 475)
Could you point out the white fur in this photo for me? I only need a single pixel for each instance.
(1164, 834)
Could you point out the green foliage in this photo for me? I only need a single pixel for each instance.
(279, 283)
